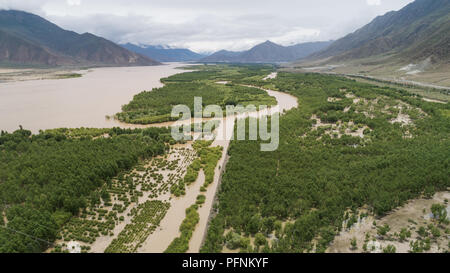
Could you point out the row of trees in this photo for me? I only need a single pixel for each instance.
(187, 227)
(48, 177)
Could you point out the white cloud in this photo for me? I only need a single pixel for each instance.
(73, 2)
(205, 25)
(297, 35)
(373, 2)
(31, 6)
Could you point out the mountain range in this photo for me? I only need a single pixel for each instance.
(165, 54)
(27, 39)
(418, 31)
(267, 52)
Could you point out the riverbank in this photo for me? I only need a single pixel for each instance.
(77, 102)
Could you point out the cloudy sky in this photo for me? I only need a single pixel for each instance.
(210, 25)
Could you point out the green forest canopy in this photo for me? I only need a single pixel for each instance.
(47, 178)
(312, 179)
(309, 182)
(156, 105)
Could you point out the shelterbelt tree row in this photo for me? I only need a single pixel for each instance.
(47, 178)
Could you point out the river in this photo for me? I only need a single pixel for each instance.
(77, 102)
(85, 101)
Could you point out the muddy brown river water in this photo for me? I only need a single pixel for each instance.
(77, 102)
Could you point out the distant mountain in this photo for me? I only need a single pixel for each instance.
(26, 38)
(271, 52)
(222, 56)
(268, 52)
(162, 54)
(418, 31)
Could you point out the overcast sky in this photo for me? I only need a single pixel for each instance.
(210, 25)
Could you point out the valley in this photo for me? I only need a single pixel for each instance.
(142, 208)
(204, 128)
(102, 226)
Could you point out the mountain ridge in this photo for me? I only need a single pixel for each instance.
(267, 52)
(28, 35)
(164, 54)
(419, 30)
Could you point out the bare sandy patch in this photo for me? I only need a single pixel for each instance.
(411, 217)
(332, 99)
(434, 100)
(222, 82)
(271, 76)
(403, 119)
(340, 128)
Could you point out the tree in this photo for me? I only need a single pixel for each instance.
(389, 249)
(435, 232)
(233, 240)
(268, 224)
(439, 212)
(260, 239)
(404, 233)
(254, 225)
(422, 232)
(354, 244)
(383, 230)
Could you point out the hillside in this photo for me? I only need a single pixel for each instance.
(222, 56)
(267, 52)
(418, 31)
(162, 54)
(16, 50)
(29, 39)
(408, 47)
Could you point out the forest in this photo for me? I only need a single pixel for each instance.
(155, 106)
(346, 146)
(47, 178)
